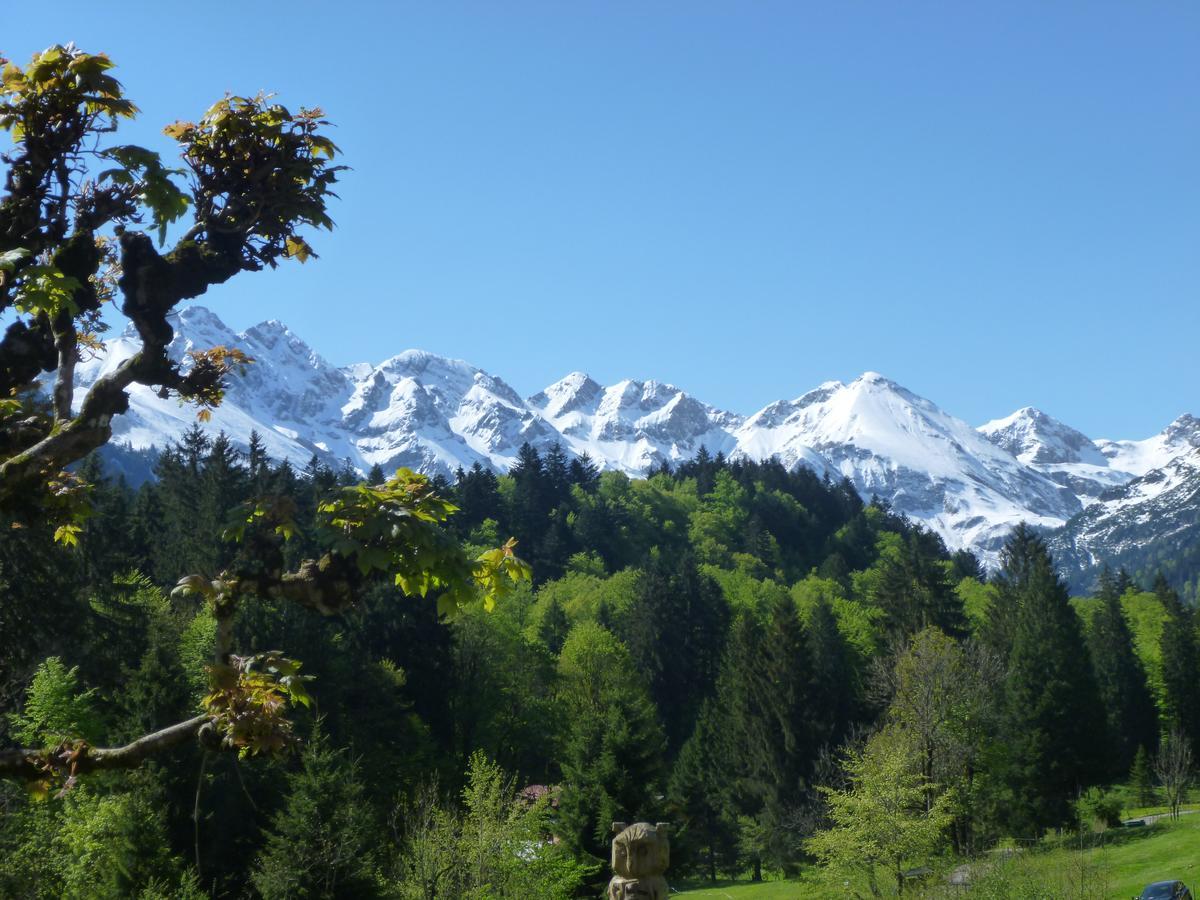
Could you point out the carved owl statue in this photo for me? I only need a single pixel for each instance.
(640, 856)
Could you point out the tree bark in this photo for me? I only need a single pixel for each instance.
(31, 765)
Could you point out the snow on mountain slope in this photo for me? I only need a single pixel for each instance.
(1162, 505)
(1139, 457)
(289, 395)
(633, 425)
(1034, 437)
(434, 414)
(933, 467)
(1064, 455)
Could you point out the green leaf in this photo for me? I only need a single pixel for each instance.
(67, 535)
(298, 248)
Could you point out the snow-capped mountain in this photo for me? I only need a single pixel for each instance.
(1066, 456)
(1152, 520)
(633, 425)
(435, 414)
(891, 443)
(1140, 457)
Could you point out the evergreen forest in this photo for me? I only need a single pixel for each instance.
(753, 655)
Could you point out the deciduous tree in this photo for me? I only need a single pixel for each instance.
(84, 223)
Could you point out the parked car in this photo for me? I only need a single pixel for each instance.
(1166, 890)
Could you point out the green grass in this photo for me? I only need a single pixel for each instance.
(765, 890)
(1138, 811)
(1128, 860)
(1121, 863)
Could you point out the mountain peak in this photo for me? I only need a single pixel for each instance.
(270, 326)
(419, 360)
(434, 414)
(1037, 438)
(1186, 428)
(873, 378)
(198, 314)
(574, 391)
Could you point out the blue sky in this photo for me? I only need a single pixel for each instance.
(995, 204)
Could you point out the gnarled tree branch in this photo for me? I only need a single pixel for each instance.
(152, 286)
(31, 765)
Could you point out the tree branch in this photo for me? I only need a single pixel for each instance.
(31, 765)
(66, 342)
(152, 285)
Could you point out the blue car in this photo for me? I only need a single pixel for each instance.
(1166, 890)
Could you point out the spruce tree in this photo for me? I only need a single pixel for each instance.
(477, 494)
(554, 626)
(180, 491)
(1121, 680)
(675, 630)
(1124, 582)
(764, 693)
(612, 758)
(1141, 778)
(914, 592)
(532, 498)
(699, 798)
(193, 447)
(224, 484)
(1055, 722)
(257, 461)
(558, 474)
(1180, 662)
(835, 687)
(584, 472)
(550, 556)
(320, 843)
(1017, 559)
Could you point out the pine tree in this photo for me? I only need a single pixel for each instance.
(914, 591)
(554, 626)
(584, 472)
(558, 474)
(1011, 583)
(1055, 722)
(835, 687)
(1181, 664)
(257, 461)
(1141, 778)
(764, 694)
(611, 763)
(675, 630)
(320, 843)
(1121, 680)
(699, 799)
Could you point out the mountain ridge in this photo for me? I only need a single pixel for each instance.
(435, 414)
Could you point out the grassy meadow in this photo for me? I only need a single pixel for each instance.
(1112, 866)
